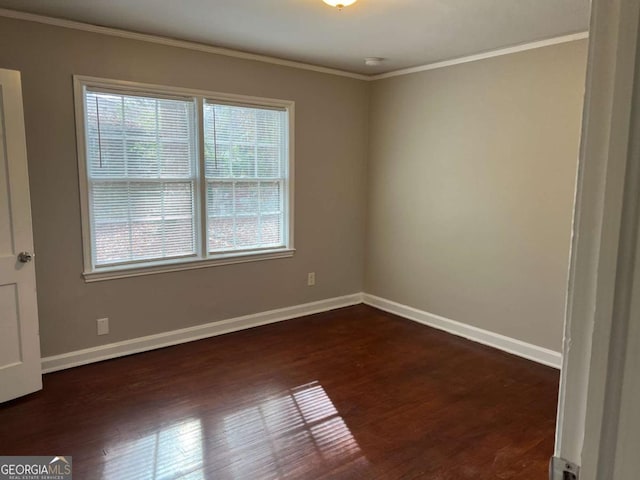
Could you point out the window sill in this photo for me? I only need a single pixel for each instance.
(114, 273)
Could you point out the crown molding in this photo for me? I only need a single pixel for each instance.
(172, 42)
(481, 56)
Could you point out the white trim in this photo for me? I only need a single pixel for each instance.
(184, 335)
(485, 337)
(126, 86)
(201, 47)
(172, 42)
(202, 258)
(482, 56)
(81, 153)
(198, 332)
(179, 265)
(596, 427)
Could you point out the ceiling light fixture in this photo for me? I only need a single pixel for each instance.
(339, 4)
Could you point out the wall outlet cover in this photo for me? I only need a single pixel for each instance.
(103, 326)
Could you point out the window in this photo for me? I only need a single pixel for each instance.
(174, 179)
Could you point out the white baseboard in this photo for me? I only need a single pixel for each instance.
(198, 332)
(160, 340)
(495, 340)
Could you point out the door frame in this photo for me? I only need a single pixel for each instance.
(603, 250)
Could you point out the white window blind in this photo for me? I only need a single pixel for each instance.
(246, 174)
(173, 178)
(141, 169)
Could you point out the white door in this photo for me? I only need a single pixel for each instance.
(20, 368)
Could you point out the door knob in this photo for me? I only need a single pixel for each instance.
(25, 257)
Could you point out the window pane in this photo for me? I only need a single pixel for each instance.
(144, 179)
(138, 221)
(243, 159)
(142, 158)
(139, 137)
(270, 197)
(247, 232)
(220, 199)
(112, 242)
(105, 145)
(218, 155)
(269, 164)
(141, 166)
(271, 229)
(246, 196)
(221, 234)
(243, 142)
(175, 158)
(245, 155)
(244, 215)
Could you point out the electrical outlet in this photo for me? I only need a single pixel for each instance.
(103, 326)
(311, 279)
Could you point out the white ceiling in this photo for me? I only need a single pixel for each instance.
(405, 32)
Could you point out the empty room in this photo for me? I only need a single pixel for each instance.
(378, 239)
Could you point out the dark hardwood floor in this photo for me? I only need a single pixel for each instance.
(351, 394)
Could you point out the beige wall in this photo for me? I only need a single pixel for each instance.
(331, 145)
(470, 190)
(469, 172)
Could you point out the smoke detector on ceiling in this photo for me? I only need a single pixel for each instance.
(373, 61)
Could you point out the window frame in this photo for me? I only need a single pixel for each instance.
(203, 258)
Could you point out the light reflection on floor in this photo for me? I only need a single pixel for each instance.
(280, 437)
(172, 453)
(288, 433)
